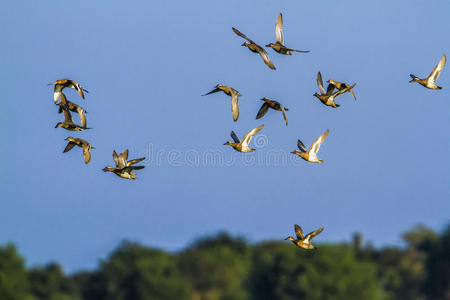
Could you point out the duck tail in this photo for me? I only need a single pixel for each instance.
(413, 77)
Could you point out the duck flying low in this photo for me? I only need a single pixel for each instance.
(311, 153)
(430, 81)
(243, 146)
(275, 105)
(279, 46)
(252, 46)
(234, 98)
(303, 241)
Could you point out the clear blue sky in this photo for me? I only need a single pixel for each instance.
(146, 65)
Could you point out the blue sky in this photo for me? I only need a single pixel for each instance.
(146, 65)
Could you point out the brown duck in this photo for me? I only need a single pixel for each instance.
(68, 124)
(234, 98)
(273, 105)
(430, 81)
(80, 143)
(66, 83)
(252, 46)
(341, 85)
(311, 154)
(124, 167)
(243, 146)
(73, 107)
(304, 241)
(279, 44)
(328, 97)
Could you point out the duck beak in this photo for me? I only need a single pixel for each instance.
(52, 83)
(243, 44)
(92, 147)
(268, 45)
(286, 238)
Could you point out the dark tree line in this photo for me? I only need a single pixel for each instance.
(222, 267)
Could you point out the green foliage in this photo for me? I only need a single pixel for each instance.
(222, 267)
(216, 267)
(138, 273)
(281, 271)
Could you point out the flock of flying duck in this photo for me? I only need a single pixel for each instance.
(124, 167)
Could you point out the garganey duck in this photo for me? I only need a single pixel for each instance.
(304, 241)
(72, 107)
(311, 154)
(68, 124)
(252, 46)
(328, 97)
(430, 81)
(243, 146)
(80, 143)
(66, 83)
(234, 98)
(274, 105)
(124, 167)
(279, 44)
(341, 85)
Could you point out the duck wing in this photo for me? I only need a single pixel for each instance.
(283, 110)
(123, 157)
(69, 146)
(310, 235)
(81, 113)
(57, 91)
(234, 105)
(299, 232)
(320, 83)
(86, 153)
(279, 29)
(437, 70)
(266, 59)
(316, 145)
(242, 35)
(135, 161)
(248, 137)
(262, 111)
(116, 158)
(301, 146)
(300, 51)
(234, 137)
(330, 89)
(79, 89)
(213, 91)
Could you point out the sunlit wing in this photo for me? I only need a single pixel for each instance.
(135, 161)
(86, 154)
(116, 158)
(320, 83)
(310, 236)
(234, 105)
(248, 137)
(437, 70)
(279, 29)
(284, 114)
(316, 145)
(266, 59)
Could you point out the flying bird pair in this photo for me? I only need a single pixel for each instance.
(328, 97)
(278, 46)
(124, 167)
(66, 106)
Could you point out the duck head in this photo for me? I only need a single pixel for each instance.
(289, 238)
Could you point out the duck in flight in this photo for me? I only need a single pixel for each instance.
(275, 105)
(252, 46)
(73, 107)
(243, 146)
(279, 46)
(124, 167)
(311, 154)
(66, 83)
(430, 81)
(328, 97)
(304, 241)
(82, 144)
(341, 85)
(68, 123)
(234, 98)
